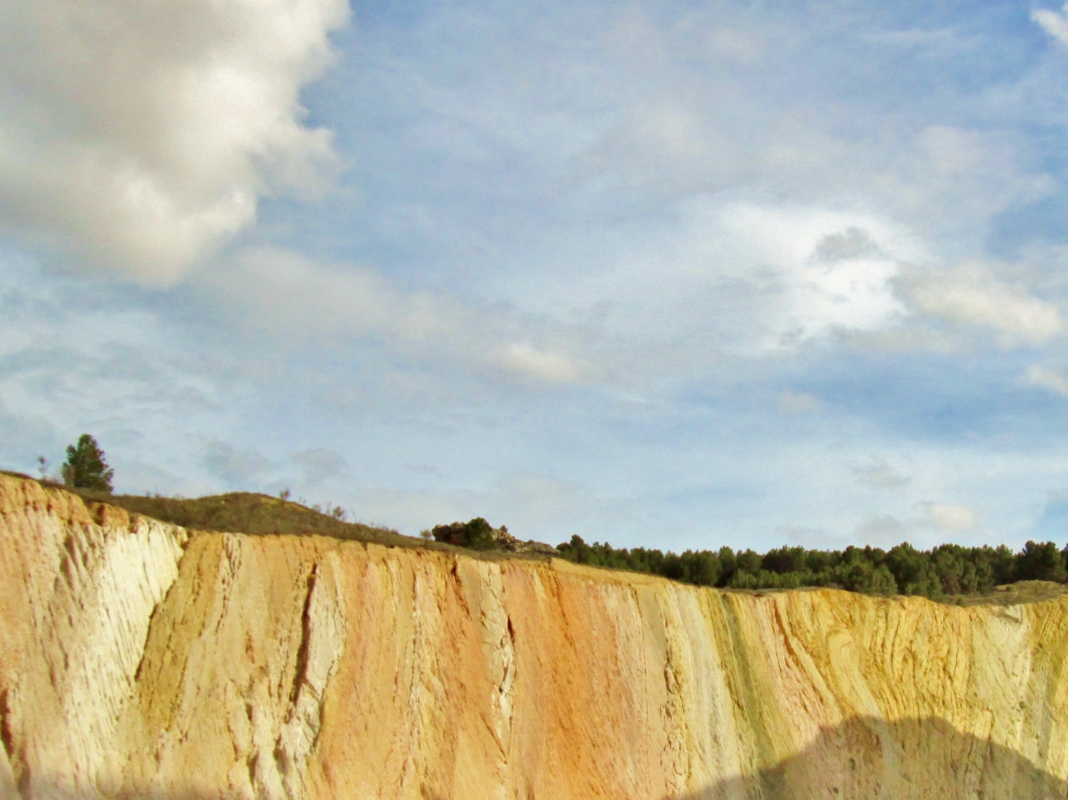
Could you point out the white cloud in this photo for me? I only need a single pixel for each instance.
(824, 270)
(972, 296)
(1053, 380)
(1056, 25)
(284, 292)
(732, 279)
(140, 135)
(946, 517)
(524, 359)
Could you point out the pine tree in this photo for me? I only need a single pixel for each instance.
(85, 467)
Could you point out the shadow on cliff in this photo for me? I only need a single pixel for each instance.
(872, 759)
(863, 759)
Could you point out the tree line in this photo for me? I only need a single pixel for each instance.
(948, 569)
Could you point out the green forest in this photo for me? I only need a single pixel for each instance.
(946, 570)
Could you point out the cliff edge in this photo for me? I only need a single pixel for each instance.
(139, 659)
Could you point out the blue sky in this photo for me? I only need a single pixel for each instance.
(669, 274)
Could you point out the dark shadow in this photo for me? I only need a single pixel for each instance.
(871, 759)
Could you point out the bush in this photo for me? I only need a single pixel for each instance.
(477, 534)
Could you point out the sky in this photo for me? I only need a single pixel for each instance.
(666, 274)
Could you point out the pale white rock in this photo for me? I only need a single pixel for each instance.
(141, 660)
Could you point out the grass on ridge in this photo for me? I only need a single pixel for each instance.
(259, 515)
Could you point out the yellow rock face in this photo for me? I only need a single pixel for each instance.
(141, 660)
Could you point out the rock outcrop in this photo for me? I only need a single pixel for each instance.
(138, 659)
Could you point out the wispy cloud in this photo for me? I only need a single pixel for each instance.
(973, 296)
(287, 294)
(1048, 378)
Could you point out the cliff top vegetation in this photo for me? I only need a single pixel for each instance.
(260, 514)
(948, 573)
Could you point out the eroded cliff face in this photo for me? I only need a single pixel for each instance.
(141, 660)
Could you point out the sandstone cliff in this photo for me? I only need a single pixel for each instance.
(141, 660)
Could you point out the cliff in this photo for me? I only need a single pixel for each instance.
(138, 659)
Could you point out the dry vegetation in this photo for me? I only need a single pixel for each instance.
(1014, 594)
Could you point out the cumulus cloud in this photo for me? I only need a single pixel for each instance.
(1056, 25)
(823, 270)
(141, 135)
(283, 291)
(971, 296)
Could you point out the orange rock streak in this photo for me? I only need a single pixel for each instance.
(140, 659)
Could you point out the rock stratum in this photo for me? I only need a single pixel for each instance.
(138, 659)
